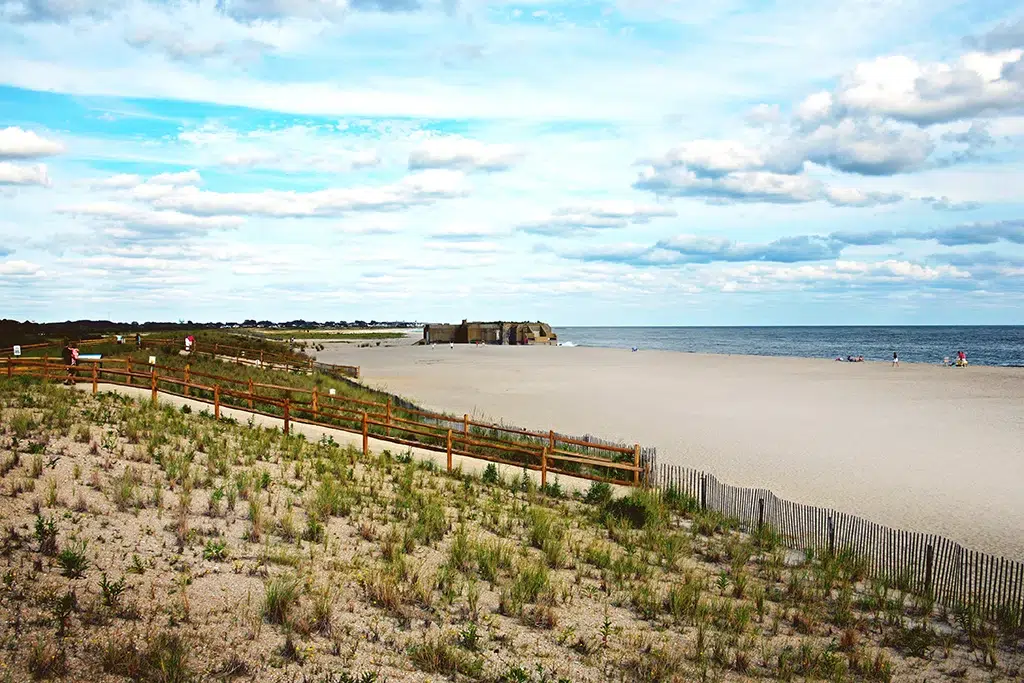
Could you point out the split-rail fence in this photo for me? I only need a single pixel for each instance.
(390, 421)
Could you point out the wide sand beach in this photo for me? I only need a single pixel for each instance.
(920, 447)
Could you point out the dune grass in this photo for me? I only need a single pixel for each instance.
(412, 573)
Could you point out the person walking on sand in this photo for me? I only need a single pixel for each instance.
(138, 340)
(895, 359)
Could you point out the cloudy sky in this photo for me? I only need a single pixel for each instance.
(634, 162)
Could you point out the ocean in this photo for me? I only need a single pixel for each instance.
(987, 345)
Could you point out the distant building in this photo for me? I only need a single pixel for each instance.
(489, 333)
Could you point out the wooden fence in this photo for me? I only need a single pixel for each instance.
(9, 350)
(544, 452)
(924, 564)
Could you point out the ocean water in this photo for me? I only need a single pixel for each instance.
(1002, 345)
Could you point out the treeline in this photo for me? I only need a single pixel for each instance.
(28, 332)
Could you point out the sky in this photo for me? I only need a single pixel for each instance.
(639, 162)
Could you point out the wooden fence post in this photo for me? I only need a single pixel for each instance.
(551, 439)
(760, 513)
(465, 424)
(152, 383)
(95, 377)
(287, 410)
(703, 492)
(636, 464)
(831, 537)
(929, 559)
(389, 419)
(261, 357)
(366, 437)
(128, 369)
(46, 368)
(216, 401)
(10, 368)
(449, 450)
(215, 346)
(316, 402)
(251, 392)
(544, 467)
(188, 376)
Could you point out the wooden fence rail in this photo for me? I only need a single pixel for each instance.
(925, 564)
(382, 421)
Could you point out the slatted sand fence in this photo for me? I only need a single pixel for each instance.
(924, 564)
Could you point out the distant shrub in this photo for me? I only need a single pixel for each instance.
(282, 593)
(72, 560)
(640, 508)
(599, 493)
(678, 501)
(490, 475)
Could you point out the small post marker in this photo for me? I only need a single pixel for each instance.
(366, 435)
(636, 464)
(544, 467)
(216, 401)
(449, 450)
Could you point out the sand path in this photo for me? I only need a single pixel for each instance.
(925, 448)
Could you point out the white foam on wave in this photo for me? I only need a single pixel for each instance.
(566, 344)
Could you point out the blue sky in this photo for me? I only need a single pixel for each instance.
(637, 162)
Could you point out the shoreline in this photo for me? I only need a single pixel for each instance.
(913, 448)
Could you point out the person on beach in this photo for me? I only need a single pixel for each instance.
(70, 358)
(138, 340)
(961, 359)
(895, 359)
(65, 355)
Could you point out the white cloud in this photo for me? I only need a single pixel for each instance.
(925, 93)
(759, 277)
(16, 143)
(464, 233)
(463, 154)
(190, 177)
(711, 157)
(601, 215)
(121, 181)
(14, 174)
(54, 10)
(417, 189)
(126, 223)
(291, 148)
(850, 196)
(20, 269)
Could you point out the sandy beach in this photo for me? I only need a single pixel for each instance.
(920, 447)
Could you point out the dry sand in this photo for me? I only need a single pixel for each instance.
(924, 448)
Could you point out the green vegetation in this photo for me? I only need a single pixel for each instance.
(208, 550)
(331, 334)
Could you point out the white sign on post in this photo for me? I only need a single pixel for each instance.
(152, 360)
(332, 392)
(17, 350)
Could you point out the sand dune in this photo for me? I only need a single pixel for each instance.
(920, 447)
